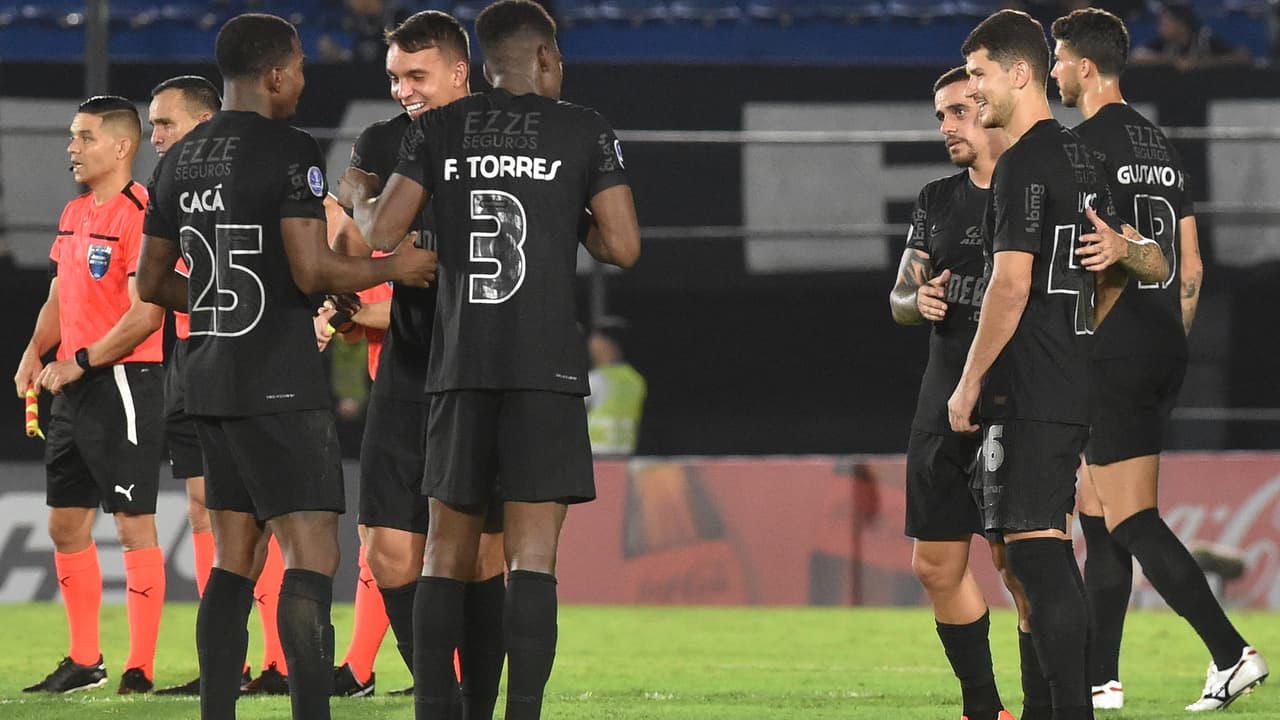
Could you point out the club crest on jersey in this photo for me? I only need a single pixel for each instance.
(209, 200)
(315, 180)
(99, 260)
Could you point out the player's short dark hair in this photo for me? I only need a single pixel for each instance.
(1095, 34)
(431, 29)
(952, 76)
(1009, 36)
(196, 91)
(248, 45)
(508, 19)
(114, 110)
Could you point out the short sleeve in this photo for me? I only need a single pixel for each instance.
(606, 167)
(916, 237)
(159, 220)
(1018, 196)
(415, 161)
(131, 241)
(303, 180)
(359, 157)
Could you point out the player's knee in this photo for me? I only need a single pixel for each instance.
(392, 564)
(491, 560)
(198, 516)
(136, 531)
(937, 574)
(70, 532)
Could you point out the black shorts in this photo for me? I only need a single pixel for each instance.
(270, 465)
(179, 429)
(535, 441)
(940, 472)
(105, 440)
(1130, 401)
(1028, 474)
(393, 457)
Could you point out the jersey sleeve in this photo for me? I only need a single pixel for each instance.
(359, 153)
(1018, 196)
(606, 168)
(131, 241)
(160, 220)
(415, 161)
(304, 183)
(916, 237)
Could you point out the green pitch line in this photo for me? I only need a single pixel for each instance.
(673, 664)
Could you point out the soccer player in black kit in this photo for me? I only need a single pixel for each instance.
(511, 174)
(942, 281)
(241, 198)
(1139, 359)
(1026, 374)
(428, 63)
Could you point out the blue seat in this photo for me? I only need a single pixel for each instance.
(635, 12)
(707, 12)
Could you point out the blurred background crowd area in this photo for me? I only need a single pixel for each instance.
(895, 31)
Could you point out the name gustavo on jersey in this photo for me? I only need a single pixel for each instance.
(502, 166)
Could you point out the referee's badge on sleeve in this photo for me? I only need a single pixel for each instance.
(99, 260)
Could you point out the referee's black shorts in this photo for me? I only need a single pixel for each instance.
(393, 456)
(271, 465)
(940, 479)
(185, 457)
(492, 446)
(1130, 401)
(104, 440)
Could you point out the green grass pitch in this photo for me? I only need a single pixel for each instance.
(678, 663)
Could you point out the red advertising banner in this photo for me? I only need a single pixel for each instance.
(828, 531)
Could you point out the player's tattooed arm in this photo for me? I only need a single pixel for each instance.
(1192, 270)
(914, 271)
(1105, 247)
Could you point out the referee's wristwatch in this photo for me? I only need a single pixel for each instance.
(82, 359)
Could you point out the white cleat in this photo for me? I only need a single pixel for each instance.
(1108, 696)
(1222, 687)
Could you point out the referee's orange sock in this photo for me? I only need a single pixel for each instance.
(267, 597)
(370, 624)
(202, 543)
(144, 578)
(80, 580)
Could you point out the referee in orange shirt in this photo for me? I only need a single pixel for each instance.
(106, 428)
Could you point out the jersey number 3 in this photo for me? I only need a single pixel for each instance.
(227, 298)
(502, 246)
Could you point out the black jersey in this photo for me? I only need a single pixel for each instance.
(947, 224)
(1146, 178)
(509, 177)
(402, 366)
(221, 193)
(1039, 191)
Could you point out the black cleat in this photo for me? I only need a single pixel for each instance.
(71, 677)
(403, 691)
(270, 682)
(346, 685)
(191, 689)
(134, 681)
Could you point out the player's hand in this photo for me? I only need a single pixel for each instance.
(1103, 247)
(931, 298)
(356, 185)
(58, 375)
(323, 332)
(28, 370)
(346, 303)
(960, 407)
(414, 266)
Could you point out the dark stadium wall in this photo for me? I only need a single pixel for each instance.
(738, 362)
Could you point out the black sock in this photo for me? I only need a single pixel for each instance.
(222, 638)
(1037, 702)
(1180, 581)
(306, 636)
(1108, 580)
(399, 604)
(437, 632)
(1059, 619)
(482, 650)
(968, 648)
(529, 620)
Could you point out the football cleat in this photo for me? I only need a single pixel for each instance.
(1004, 715)
(1108, 696)
(71, 677)
(189, 689)
(402, 691)
(134, 681)
(1222, 687)
(270, 682)
(345, 683)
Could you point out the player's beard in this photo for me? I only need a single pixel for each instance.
(1070, 95)
(997, 113)
(962, 154)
